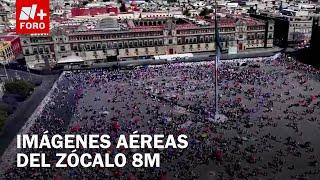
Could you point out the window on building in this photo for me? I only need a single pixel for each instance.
(62, 48)
(82, 47)
(195, 40)
(206, 39)
(27, 51)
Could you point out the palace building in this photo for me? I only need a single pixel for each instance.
(113, 39)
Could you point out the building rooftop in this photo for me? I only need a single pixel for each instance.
(8, 37)
(108, 24)
(149, 24)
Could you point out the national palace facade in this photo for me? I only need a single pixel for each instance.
(112, 39)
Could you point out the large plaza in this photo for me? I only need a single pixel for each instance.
(272, 105)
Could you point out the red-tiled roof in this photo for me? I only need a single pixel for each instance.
(93, 11)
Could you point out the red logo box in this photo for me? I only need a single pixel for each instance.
(32, 17)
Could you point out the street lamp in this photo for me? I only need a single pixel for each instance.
(30, 77)
(5, 71)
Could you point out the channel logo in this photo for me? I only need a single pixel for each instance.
(32, 17)
(28, 12)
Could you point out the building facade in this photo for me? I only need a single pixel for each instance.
(300, 29)
(14, 41)
(6, 52)
(112, 40)
(10, 48)
(290, 30)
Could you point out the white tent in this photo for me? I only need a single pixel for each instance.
(70, 59)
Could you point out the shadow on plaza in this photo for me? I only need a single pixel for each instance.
(308, 56)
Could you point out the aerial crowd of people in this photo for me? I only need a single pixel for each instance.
(272, 105)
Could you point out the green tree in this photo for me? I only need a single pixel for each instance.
(205, 12)
(19, 87)
(3, 117)
(4, 113)
(186, 12)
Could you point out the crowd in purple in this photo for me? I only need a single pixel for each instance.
(272, 105)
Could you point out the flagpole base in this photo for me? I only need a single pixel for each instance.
(218, 118)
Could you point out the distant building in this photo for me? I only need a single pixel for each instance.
(6, 53)
(289, 30)
(3, 14)
(112, 39)
(10, 48)
(14, 40)
(281, 29)
(4, 21)
(92, 11)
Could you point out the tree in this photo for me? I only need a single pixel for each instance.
(84, 3)
(19, 87)
(186, 12)
(205, 12)
(252, 11)
(3, 118)
(123, 7)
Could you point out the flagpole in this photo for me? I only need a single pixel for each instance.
(217, 116)
(216, 83)
(217, 58)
